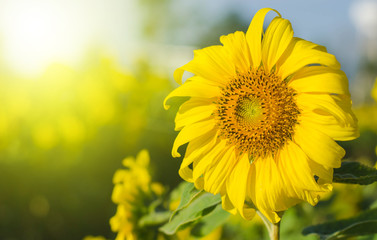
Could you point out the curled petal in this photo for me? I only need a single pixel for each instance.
(328, 105)
(254, 35)
(278, 36)
(301, 53)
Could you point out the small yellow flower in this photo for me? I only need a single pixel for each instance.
(132, 192)
(263, 115)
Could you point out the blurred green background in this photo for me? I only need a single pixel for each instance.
(82, 85)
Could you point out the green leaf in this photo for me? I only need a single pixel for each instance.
(364, 224)
(355, 173)
(154, 218)
(210, 222)
(189, 193)
(199, 206)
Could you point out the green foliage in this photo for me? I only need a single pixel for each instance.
(364, 224)
(210, 222)
(355, 173)
(193, 207)
(154, 218)
(188, 193)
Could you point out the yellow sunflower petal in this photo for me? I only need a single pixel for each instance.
(195, 149)
(203, 80)
(219, 171)
(186, 174)
(248, 213)
(326, 104)
(254, 35)
(193, 103)
(325, 175)
(202, 165)
(226, 203)
(276, 40)
(193, 89)
(345, 103)
(265, 189)
(190, 132)
(193, 110)
(235, 44)
(328, 124)
(301, 53)
(320, 79)
(297, 170)
(199, 183)
(212, 63)
(236, 183)
(318, 146)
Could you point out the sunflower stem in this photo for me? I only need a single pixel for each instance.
(273, 228)
(274, 234)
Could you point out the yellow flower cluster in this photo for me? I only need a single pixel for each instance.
(133, 192)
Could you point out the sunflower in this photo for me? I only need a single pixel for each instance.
(263, 113)
(133, 192)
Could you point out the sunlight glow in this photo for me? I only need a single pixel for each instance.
(33, 34)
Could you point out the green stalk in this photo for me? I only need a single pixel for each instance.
(273, 228)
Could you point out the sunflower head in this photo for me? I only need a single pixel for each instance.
(133, 193)
(256, 112)
(263, 113)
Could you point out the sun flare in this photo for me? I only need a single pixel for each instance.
(34, 34)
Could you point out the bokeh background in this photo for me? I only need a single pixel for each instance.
(81, 88)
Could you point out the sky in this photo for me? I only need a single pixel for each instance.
(35, 33)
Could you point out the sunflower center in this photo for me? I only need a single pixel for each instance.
(257, 113)
(248, 110)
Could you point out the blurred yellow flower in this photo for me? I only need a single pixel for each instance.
(72, 129)
(185, 234)
(263, 115)
(94, 238)
(133, 192)
(45, 136)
